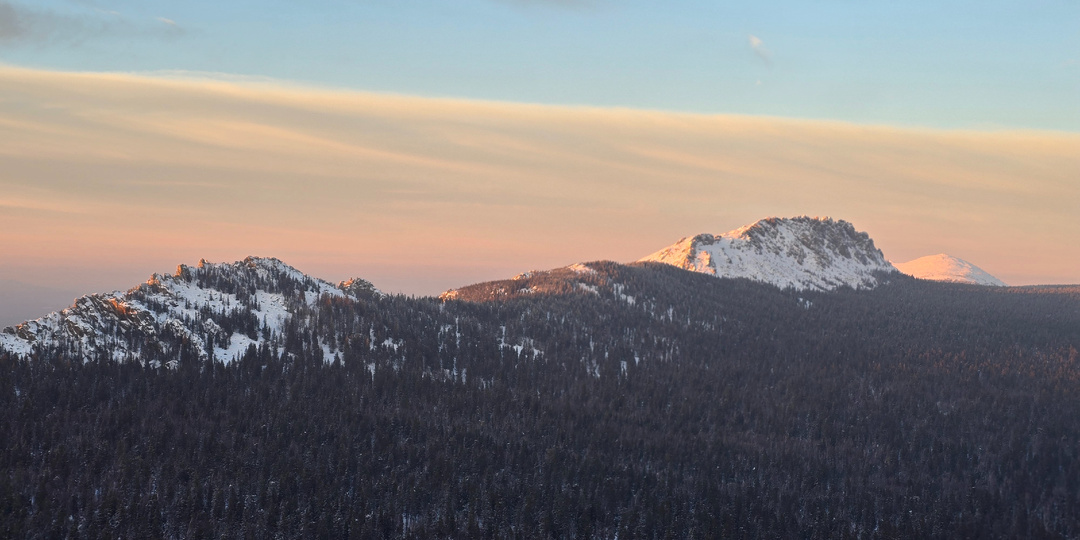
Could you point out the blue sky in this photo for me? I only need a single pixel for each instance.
(981, 65)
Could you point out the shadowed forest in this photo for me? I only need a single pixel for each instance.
(635, 401)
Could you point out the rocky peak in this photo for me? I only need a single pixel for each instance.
(800, 252)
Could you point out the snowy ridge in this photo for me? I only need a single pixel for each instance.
(942, 267)
(800, 253)
(214, 309)
(579, 277)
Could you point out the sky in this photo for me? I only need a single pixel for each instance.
(428, 145)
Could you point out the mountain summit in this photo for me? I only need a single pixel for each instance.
(800, 252)
(211, 310)
(942, 267)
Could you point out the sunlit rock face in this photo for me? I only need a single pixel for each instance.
(800, 253)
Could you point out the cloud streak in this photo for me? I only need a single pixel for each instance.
(758, 46)
(10, 23)
(417, 194)
(21, 25)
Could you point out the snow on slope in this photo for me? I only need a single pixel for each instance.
(218, 309)
(942, 267)
(802, 253)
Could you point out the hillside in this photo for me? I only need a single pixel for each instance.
(600, 399)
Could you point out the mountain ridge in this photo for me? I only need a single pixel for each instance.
(648, 386)
(801, 253)
(217, 309)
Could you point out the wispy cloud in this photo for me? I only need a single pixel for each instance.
(21, 24)
(758, 46)
(227, 168)
(13, 23)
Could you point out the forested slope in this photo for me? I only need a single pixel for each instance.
(641, 401)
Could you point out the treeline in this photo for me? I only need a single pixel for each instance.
(637, 402)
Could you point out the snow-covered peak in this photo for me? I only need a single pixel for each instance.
(214, 309)
(942, 267)
(800, 252)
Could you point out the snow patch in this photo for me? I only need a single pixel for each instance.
(16, 346)
(581, 268)
(238, 345)
(589, 288)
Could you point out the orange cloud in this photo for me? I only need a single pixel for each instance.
(148, 171)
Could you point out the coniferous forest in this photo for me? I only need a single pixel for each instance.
(637, 401)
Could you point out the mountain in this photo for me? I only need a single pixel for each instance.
(219, 311)
(942, 267)
(214, 310)
(801, 253)
(596, 400)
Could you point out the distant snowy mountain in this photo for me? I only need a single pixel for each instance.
(223, 311)
(802, 253)
(942, 267)
(211, 309)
